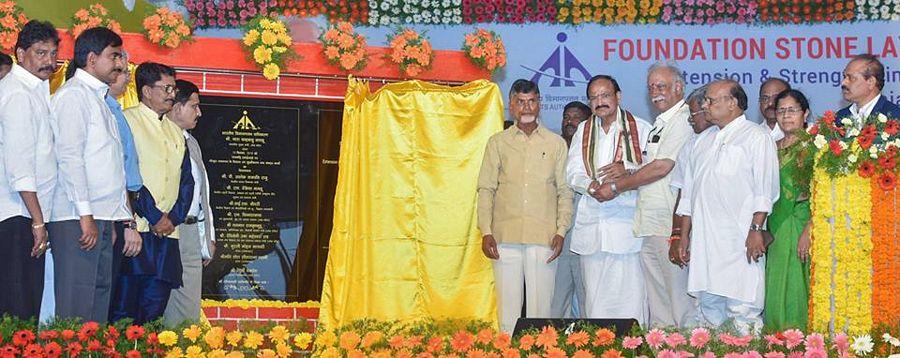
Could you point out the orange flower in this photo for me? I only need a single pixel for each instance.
(471, 40)
(548, 337)
(476, 353)
(183, 30)
(8, 21)
(555, 353)
(887, 181)
(526, 342)
(81, 14)
(331, 52)
(485, 336)
(331, 35)
(396, 342)
(435, 344)
(345, 41)
(413, 70)
(156, 36)
(371, 338)
(356, 353)
(578, 339)
(462, 341)
(612, 353)
(604, 337)
(349, 340)
(581, 353)
(502, 341)
(173, 41)
(345, 26)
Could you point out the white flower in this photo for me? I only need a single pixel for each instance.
(385, 6)
(852, 158)
(873, 2)
(820, 141)
(853, 132)
(885, 136)
(882, 118)
(895, 342)
(408, 19)
(843, 145)
(862, 344)
(846, 121)
(417, 18)
(426, 3)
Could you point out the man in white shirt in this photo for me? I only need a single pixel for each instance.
(862, 86)
(27, 169)
(666, 284)
(5, 65)
(602, 149)
(767, 93)
(197, 241)
(91, 195)
(728, 190)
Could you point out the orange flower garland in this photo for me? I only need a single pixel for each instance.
(344, 48)
(885, 255)
(11, 21)
(166, 28)
(485, 49)
(411, 51)
(94, 16)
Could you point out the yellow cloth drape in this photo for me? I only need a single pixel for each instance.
(405, 243)
(127, 99)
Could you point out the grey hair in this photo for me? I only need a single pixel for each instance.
(697, 95)
(672, 67)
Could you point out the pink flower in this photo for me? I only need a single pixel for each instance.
(685, 354)
(815, 340)
(655, 338)
(699, 337)
(675, 339)
(631, 342)
(774, 354)
(773, 340)
(743, 341)
(793, 338)
(665, 353)
(733, 355)
(708, 354)
(752, 354)
(841, 342)
(795, 355)
(815, 353)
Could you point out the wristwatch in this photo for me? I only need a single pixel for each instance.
(130, 224)
(612, 186)
(757, 227)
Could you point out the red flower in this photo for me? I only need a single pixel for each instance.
(152, 339)
(866, 137)
(814, 130)
(9, 351)
(67, 334)
(835, 146)
(887, 181)
(53, 350)
(133, 354)
(112, 332)
(94, 345)
(23, 337)
(887, 162)
(74, 349)
(866, 169)
(48, 335)
(33, 351)
(828, 117)
(892, 127)
(134, 332)
(88, 330)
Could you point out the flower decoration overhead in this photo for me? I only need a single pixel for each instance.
(485, 49)
(268, 43)
(870, 151)
(94, 16)
(344, 48)
(166, 28)
(11, 21)
(610, 12)
(391, 12)
(515, 12)
(228, 13)
(878, 10)
(805, 11)
(411, 51)
(709, 12)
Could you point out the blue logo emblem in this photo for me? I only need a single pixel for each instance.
(559, 66)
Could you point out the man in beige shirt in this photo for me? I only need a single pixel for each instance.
(666, 284)
(524, 207)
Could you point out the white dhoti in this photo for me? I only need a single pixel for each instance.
(522, 273)
(614, 286)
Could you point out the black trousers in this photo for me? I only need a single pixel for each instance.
(21, 276)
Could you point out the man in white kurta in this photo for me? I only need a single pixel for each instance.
(602, 235)
(729, 188)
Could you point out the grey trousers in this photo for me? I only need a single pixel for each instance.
(82, 279)
(184, 303)
(568, 290)
(666, 283)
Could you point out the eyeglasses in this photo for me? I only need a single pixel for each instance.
(169, 89)
(601, 96)
(767, 98)
(657, 86)
(788, 110)
(712, 101)
(696, 113)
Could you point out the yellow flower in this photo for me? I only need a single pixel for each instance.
(279, 334)
(331, 353)
(278, 26)
(250, 37)
(266, 353)
(269, 38)
(262, 55)
(285, 39)
(217, 353)
(326, 339)
(194, 352)
(168, 338)
(283, 350)
(175, 353)
(279, 49)
(235, 354)
(215, 337)
(270, 72)
(193, 332)
(302, 340)
(265, 23)
(233, 338)
(254, 339)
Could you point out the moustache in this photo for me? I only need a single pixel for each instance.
(844, 88)
(657, 99)
(47, 69)
(599, 106)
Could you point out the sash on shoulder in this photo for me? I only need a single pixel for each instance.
(628, 148)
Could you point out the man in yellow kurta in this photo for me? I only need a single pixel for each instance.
(145, 281)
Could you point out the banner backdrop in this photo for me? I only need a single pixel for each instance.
(562, 58)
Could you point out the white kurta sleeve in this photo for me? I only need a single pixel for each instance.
(576, 174)
(687, 182)
(766, 186)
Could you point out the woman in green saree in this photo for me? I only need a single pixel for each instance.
(787, 259)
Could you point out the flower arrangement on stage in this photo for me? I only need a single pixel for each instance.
(883, 10)
(94, 16)
(166, 28)
(391, 12)
(806, 11)
(613, 12)
(485, 49)
(411, 51)
(344, 48)
(355, 12)
(708, 12)
(12, 18)
(228, 13)
(268, 42)
(513, 12)
(871, 151)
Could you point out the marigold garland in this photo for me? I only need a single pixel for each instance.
(610, 12)
(12, 18)
(166, 28)
(94, 16)
(853, 247)
(822, 252)
(885, 255)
